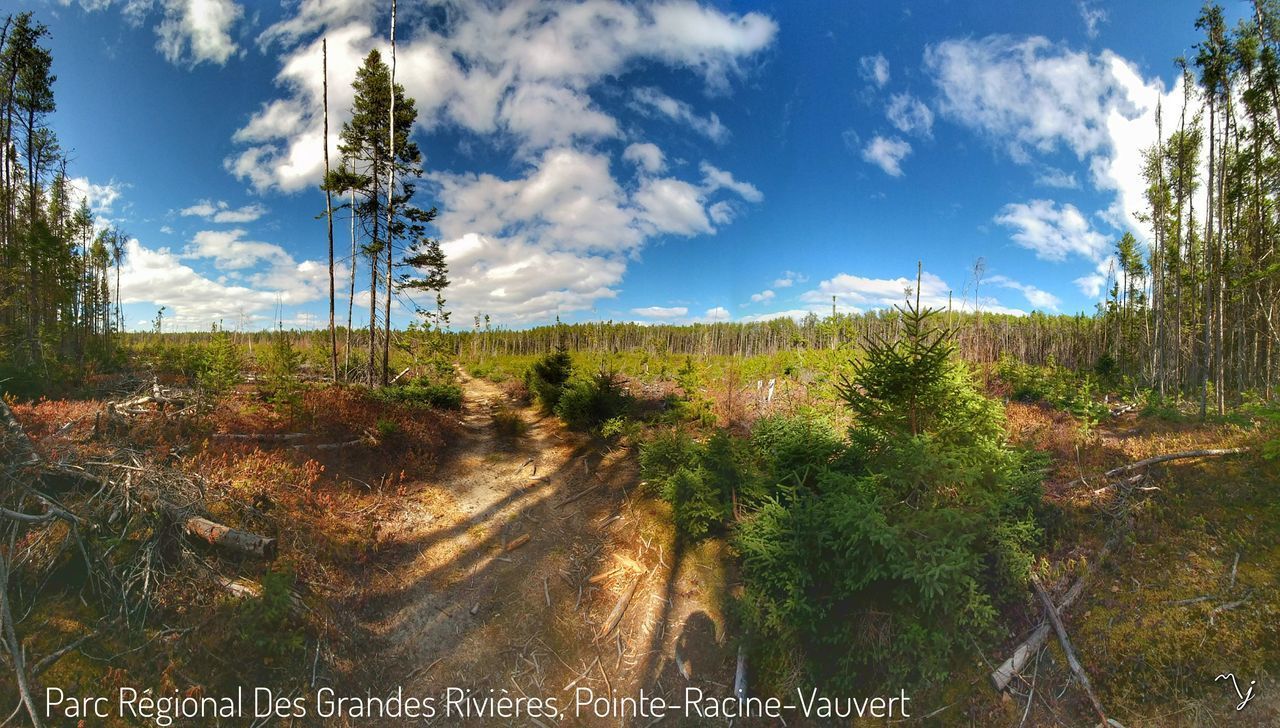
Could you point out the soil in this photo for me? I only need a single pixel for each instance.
(499, 574)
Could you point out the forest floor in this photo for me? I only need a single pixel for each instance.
(444, 553)
(498, 575)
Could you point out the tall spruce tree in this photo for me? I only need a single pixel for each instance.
(366, 149)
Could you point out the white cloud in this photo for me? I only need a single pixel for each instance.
(859, 293)
(193, 300)
(661, 312)
(649, 100)
(646, 156)
(718, 179)
(886, 153)
(1038, 298)
(1031, 96)
(788, 279)
(198, 31)
(557, 238)
(1024, 93)
(874, 69)
(763, 296)
(100, 198)
(1057, 178)
(1092, 15)
(230, 251)
(719, 313)
(793, 313)
(1053, 232)
(522, 71)
(909, 115)
(673, 206)
(221, 212)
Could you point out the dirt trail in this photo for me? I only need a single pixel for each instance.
(456, 600)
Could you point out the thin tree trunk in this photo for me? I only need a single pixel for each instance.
(391, 193)
(328, 212)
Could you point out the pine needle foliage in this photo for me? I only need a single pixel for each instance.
(878, 563)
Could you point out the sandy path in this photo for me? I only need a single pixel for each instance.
(450, 604)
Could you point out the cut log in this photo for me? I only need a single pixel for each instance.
(1076, 667)
(517, 542)
(231, 539)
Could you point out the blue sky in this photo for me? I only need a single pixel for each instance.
(656, 161)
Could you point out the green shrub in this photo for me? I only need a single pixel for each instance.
(795, 449)
(280, 362)
(267, 627)
(422, 394)
(701, 481)
(696, 504)
(882, 564)
(547, 377)
(220, 367)
(586, 404)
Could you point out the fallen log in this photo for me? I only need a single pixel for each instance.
(1123, 469)
(1023, 653)
(261, 436)
(517, 542)
(619, 608)
(1074, 663)
(231, 539)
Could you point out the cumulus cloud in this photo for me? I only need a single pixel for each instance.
(886, 153)
(101, 198)
(525, 72)
(646, 156)
(557, 238)
(1030, 96)
(874, 69)
(222, 212)
(194, 300)
(1025, 94)
(190, 32)
(909, 115)
(229, 250)
(1053, 231)
(763, 296)
(198, 31)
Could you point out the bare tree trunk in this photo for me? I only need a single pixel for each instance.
(351, 295)
(328, 212)
(391, 193)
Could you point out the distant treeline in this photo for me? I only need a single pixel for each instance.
(1074, 341)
